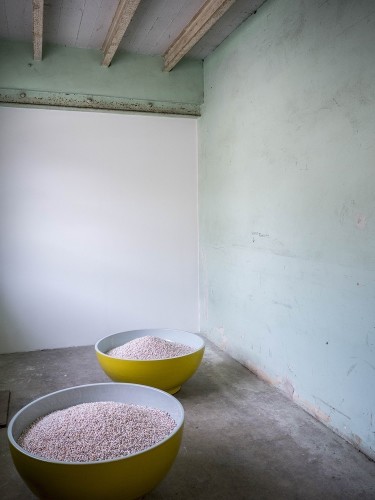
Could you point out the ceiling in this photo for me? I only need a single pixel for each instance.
(151, 30)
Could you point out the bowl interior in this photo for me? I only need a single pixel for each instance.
(180, 336)
(119, 392)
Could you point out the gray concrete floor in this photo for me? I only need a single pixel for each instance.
(242, 440)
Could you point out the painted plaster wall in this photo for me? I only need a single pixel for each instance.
(287, 205)
(68, 76)
(98, 226)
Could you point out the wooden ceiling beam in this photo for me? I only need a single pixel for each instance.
(38, 29)
(120, 22)
(203, 20)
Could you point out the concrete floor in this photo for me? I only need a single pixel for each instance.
(243, 439)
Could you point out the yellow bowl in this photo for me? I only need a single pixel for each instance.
(166, 374)
(127, 478)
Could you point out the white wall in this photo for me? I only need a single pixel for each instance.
(287, 205)
(98, 226)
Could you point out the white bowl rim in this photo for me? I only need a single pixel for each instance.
(95, 462)
(150, 330)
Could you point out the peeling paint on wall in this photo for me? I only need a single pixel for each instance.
(261, 373)
(286, 197)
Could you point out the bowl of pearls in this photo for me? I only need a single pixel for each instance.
(160, 358)
(96, 441)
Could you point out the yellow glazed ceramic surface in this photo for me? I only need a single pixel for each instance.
(124, 478)
(166, 374)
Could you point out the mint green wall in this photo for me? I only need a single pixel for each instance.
(287, 205)
(69, 76)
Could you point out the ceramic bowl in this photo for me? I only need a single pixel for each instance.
(166, 374)
(127, 477)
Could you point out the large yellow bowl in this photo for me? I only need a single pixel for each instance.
(125, 478)
(166, 374)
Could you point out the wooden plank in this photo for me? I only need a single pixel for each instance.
(70, 22)
(206, 17)
(4, 407)
(96, 20)
(4, 31)
(38, 28)
(19, 20)
(121, 20)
